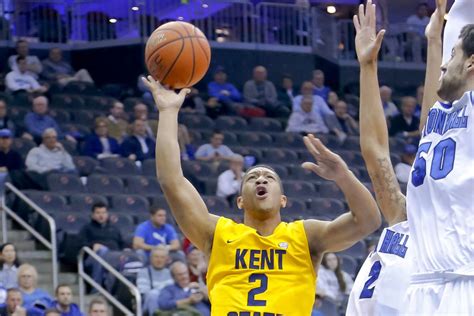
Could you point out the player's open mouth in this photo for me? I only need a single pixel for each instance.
(261, 192)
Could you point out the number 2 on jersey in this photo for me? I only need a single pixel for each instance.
(251, 301)
(374, 275)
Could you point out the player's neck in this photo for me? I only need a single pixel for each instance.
(264, 226)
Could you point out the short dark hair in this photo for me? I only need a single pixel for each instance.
(467, 37)
(97, 301)
(20, 41)
(216, 131)
(261, 166)
(51, 310)
(13, 290)
(19, 58)
(155, 208)
(286, 76)
(60, 286)
(98, 205)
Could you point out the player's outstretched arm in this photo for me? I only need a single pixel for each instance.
(187, 206)
(433, 34)
(363, 218)
(373, 126)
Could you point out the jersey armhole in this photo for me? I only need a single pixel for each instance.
(308, 251)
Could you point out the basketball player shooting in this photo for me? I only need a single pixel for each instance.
(264, 266)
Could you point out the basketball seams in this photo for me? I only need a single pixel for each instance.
(193, 54)
(200, 45)
(174, 62)
(156, 48)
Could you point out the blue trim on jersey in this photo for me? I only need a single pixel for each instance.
(446, 105)
(472, 98)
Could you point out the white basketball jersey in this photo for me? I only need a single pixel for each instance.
(391, 250)
(440, 195)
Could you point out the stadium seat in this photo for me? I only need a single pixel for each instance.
(248, 151)
(330, 190)
(351, 143)
(149, 168)
(352, 158)
(196, 137)
(325, 207)
(281, 170)
(363, 174)
(84, 117)
(104, 184)
(85, 165)
(160, 201)
(299, 173)
(256, 139)
(265, 124)
(122, 220)
(233, 123)
(17, 114)
(83, 202)
(328, 308)
(69, 146)
(216, 204)
(357, 251)
(143, 185)
(61, 116)
(119, 166)
(129, 203)
(286, 140)
(276, 155)
(23, 146)
(397, 145)
(294, 208)
(60, 182)
(211, 186)
(51, 202)
(230, 139)
(299, 189)
(71, 223)
(197, 121)
(198, 168)
(67, 101)
(349, 265)
(395, 159)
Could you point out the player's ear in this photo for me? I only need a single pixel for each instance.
(283, 200)
(470, 63)
(240, 202)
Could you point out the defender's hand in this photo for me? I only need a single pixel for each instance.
(164, 98)
(367, 42)
(434, 29)
(329, 165)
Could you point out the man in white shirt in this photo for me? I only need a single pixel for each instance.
(306, 120)
(34, 66)
(403, 168)
(416, 32)
(21, 79)
(215, 150)
(389, 108)
(229, 182)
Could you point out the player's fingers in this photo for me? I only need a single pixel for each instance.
(311, 166)
(361, 14)
(356, 23)
(379, 39)
(146, 82)
(184, 91)
(318, 144)
(310, 146)
(372, 17)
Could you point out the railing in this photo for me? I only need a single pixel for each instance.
(51, 245)
(83, 276)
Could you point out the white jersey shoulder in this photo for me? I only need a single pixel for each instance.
(391, 250)
(440, 195)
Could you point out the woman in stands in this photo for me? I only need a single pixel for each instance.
(9, 264)
(32, 296)
(333, 283)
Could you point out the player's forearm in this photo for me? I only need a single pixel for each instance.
(433, 72)
(361, 203)
(372, 124)
(168, 163)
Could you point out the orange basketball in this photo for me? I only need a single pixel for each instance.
(177, 54)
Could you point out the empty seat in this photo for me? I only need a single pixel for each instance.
(255, 139)
(275, 155)
(358, 250)
(351, 143)
(349, 265)
(352, 158)
(160, 201)
(265, 124)
(216, 204)
(143, 185)
(197, 121)
(299, 189)
(235, 123)
(23, 146)
(325, 207)
(198, 168)
(71, 223)
(294, 208)
(85, 165)
(230, 139)
(130, 203)
(49, 201)
(282, 171)
(119, 166)
(122, 221)
(211, 186)
(299, 173)
(83, 202)
(330, 190)
(248, 151)
(149, 168)
(60, 182)
(61, 116)
(67, 101)
(288, 140)
(104, 184)
(84, 117)
(69, 146)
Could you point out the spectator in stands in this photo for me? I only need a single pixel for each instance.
(416, 40)
(63, 303)
(9, 159)
(38, 120)
(140, 112)
(153, 278)
(225, 93)
(5, 121)
(229, 181)
(56, 70)
(33, 64)
(317, 305)
(48, 157)
(403, 168)
(9, 264)
(183, 295)
(262, 93)
(346, 122)
(333, 283)
(286, 92)
(21, 80)
(116, 123)
(318, 85)
(389, 108)
(13, 304)
(146, 94)
(420, 92)
(417, 22)
(406, 124)
(101, 236)
(154, 232)
(306, 120)
(27, 281)
(333, 98)
(100, 145)
(215, 150)
(197, 265)
(138, 146)
(98, 307)
(193, 103)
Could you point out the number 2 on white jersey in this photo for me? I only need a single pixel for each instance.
(374, 275)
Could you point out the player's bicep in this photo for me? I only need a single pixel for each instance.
(191, 213)
(387, 189)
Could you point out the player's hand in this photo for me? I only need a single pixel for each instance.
(367, 42)
(165, 99)
(329, 165)
(435, 27)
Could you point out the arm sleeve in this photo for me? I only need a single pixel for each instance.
(235, 94)
(228, 151)
(166, 301)
(272, 94)
(226, 184)
(294, 123)
(67, 162)
(38, 67)
(249, 95)
(213, 90)
(201, 152)
(34, 83)
(11, 83)
(31, 126)
(140, 231)
(143, 281)
(32, 161)
(171, 234)
(323, 106)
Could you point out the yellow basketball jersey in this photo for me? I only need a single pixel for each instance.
(252, 275)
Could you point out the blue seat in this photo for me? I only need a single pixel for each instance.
(85, 165)
(119, 166)
(198, 168)
(265, 124)
(299, 189)
(130, 203)
(248, 151)
(51, 202)
(83, 202)
(234, 123)
(104, 184)
(61, 182)
(216, 204)
(149, 168)
(325, 207)
(286, 140)
(294, 208)
(255, 139)
(71, 223)
(276, 155)
(143, 185)
(330, 190)
(197, 121)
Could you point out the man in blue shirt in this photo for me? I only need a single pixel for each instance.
(319, 88)
(183, 295)
(63, 302)
(154, 232)
(221, 89)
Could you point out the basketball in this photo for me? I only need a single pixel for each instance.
(177, 54)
